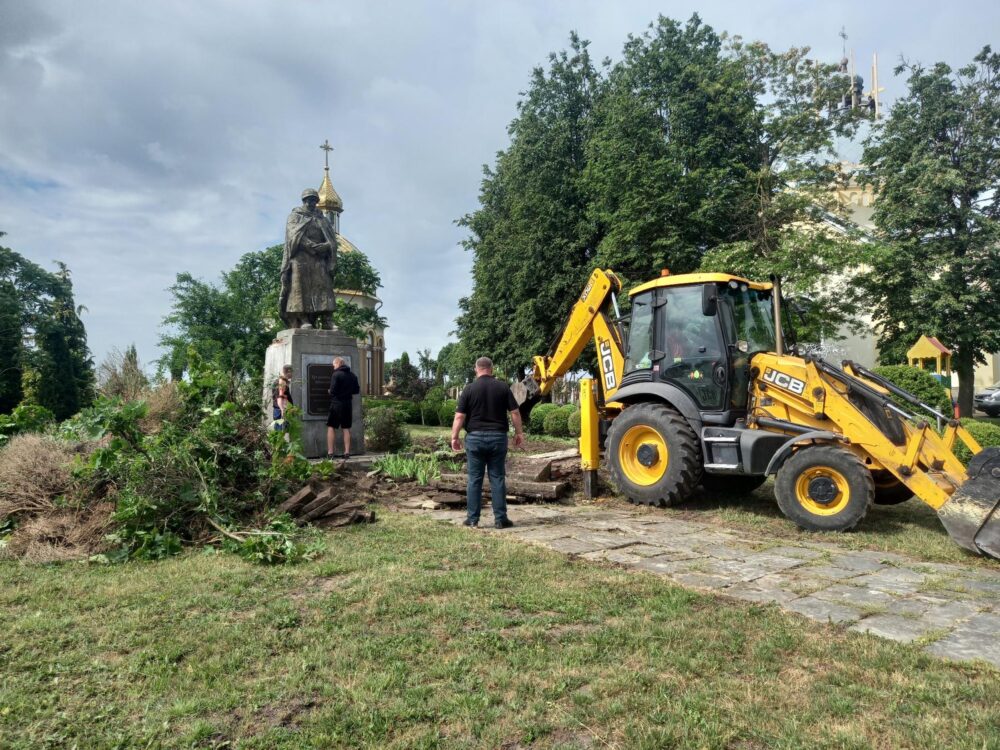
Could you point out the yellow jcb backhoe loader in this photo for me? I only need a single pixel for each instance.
(695, 386)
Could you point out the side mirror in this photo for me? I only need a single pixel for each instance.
(709, 300)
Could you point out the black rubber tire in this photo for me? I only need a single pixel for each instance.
(731, 484)
(889, 490)
(683, 465)
(822, 459)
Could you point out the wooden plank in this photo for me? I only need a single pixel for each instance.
(320, 499)
(320, 508)
(540, 490)
(304, 496)
(556, 455)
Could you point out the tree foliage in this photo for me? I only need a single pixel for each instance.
(42, 339)
(694, 151)
(935, 163)
(532, 239)
(231, 324)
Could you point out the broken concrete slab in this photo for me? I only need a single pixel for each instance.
(893, 627)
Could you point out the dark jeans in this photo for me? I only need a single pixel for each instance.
(486, 450)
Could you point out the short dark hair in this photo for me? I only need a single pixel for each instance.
(484, 363)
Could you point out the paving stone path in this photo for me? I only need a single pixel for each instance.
(953, 610)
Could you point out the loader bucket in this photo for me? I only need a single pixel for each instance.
(972, 514)
(526, 393)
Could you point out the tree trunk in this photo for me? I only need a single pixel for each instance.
(966, 367)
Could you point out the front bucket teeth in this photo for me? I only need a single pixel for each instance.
(971, 515)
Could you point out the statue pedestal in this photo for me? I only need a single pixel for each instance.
(310, 352)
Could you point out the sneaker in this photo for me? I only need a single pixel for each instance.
(346, 456)
(505, 523)
(471, 524)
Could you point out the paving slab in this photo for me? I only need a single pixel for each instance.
(896, 580)
(570, 546)
(963, 644)
(823, 611)
(893, 627)
(855, 596)
(880, 593)
(666, 565)
(618, 556)
(949, 614)
(828, 572)
(800, 553)
(753, 592)
(856, 561)
(647, 550)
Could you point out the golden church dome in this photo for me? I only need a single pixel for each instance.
(328, 198)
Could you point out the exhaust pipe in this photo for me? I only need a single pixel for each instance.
(779, 338)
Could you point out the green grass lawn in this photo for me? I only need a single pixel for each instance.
(413, 634)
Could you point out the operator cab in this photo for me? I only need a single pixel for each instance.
(698, 333)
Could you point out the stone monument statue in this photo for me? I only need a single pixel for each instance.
(307, 303)
(307, 298)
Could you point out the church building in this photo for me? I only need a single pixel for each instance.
(371, 346)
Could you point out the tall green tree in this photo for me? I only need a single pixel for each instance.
(53, 359)
(406, 377)
(11, 348)
(935, 163)
(673, 136)
(788, 221)
(231, 324)
(531, 236)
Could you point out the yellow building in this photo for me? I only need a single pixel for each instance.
(371, 347)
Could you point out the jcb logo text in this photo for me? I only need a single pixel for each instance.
(787, 382)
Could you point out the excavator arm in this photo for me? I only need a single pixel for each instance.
(592, 317)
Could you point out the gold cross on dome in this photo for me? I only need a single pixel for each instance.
(328, 148)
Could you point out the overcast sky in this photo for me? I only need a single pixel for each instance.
(139, 140)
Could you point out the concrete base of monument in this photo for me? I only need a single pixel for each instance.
(310, 352)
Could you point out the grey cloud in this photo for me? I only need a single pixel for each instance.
(138, 140)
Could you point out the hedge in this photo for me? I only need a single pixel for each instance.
(920, 383)
(574, 423)
(557, 422)
(536, 422)
(985, 433)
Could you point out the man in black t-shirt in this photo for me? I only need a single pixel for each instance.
(483, 407)
(343, 386)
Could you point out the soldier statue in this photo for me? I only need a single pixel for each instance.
(307, 268)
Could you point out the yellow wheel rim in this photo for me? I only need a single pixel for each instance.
(824, 476)
(643, 455)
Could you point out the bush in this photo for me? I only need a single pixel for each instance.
(409, 411)
(920, 383)
(384, 431)
(574, 423)
(557, 423)
(536, 422)
(370, 403)
(446, 412)
(985, 433)
(25, 418)
(429, 413)
(436, 394)
(213, 472)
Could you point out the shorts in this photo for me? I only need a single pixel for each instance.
(340, 415)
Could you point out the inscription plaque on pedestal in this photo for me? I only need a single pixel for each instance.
(318, 379)
(318, 371)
